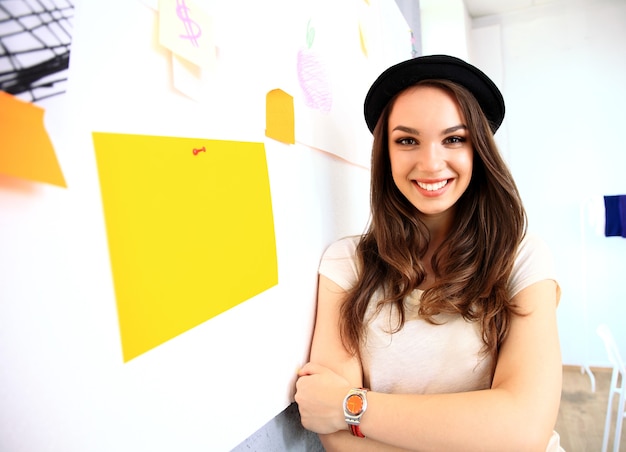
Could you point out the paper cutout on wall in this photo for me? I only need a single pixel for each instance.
(313, 76)
(25, 148)
(190, 231)
(362, 40)
(357, 40)
(187, 31)
(279, 116)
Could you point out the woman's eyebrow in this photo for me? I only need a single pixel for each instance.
(454, 129)
(417, 132)
(406, 129)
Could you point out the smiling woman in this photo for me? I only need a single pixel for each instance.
(445, 309)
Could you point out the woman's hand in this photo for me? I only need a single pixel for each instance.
(319, 394)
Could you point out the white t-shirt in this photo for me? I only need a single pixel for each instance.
(421, 357)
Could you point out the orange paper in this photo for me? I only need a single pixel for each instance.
(26, 151)
(279, 117)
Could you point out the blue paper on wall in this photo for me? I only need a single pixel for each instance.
(615, 211)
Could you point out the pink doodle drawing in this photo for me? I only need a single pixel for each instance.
(192, 28)
(313, 78)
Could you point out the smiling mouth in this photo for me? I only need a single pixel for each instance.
(432, 187)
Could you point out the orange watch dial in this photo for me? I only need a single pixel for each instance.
(354, 404)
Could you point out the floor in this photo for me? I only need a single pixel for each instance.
(582, 413)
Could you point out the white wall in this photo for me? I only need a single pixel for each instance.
(563, 72)
(63, 382)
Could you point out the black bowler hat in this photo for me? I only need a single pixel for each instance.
(432, 67)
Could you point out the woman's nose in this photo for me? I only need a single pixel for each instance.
(431, 158)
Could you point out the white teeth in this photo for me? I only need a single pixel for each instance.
(433, 187)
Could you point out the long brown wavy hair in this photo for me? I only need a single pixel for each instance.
(471, 267)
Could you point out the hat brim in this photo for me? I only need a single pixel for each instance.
(434, 67)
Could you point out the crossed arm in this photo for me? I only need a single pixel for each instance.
(518, 412)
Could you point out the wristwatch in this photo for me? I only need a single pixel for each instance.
(354, 405)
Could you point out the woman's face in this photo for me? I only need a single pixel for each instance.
(430, 150)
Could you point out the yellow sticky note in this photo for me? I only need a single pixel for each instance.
(279, 116)
(362, 40)
(187, 30)
(190, 231)
(25, 148)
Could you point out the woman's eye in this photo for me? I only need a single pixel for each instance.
(407, 141)
(455, 140)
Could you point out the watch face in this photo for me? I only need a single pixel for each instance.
(354, 404)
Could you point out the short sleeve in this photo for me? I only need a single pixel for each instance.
(339, 262)
(533, 263)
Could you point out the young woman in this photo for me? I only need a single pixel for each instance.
(436, 330)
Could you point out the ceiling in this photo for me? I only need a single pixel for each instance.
(479, 8)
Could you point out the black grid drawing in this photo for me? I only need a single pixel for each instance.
(35, 39)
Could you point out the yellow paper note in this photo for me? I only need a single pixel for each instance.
(362, 40)
(25, 148)
(190, 231)
(187, 30)
(279, 116)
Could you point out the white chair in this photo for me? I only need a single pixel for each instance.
(617, 387)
